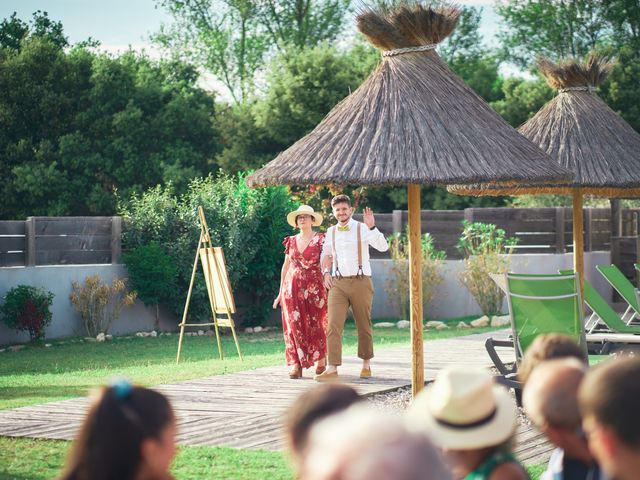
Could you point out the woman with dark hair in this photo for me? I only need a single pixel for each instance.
(128, 434)
(302, 294)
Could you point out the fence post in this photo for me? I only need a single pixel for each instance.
(116, 239)
(588, 227)
(560, 245)
(616, 217)
(468, 215)
(30, 241)
(396, 221)
(615, 250)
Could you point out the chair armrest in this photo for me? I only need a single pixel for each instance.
(490, 345)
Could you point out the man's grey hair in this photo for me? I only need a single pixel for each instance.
(550, 396)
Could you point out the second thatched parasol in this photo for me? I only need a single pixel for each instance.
(583, 134)
(412, 122)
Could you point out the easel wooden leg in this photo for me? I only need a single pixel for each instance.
(186, 306)
(215, 326)
(235, 338)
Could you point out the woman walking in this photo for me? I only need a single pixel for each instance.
(302, 294)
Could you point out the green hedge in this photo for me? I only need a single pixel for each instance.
(248, 224)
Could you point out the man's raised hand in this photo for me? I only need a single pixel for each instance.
(367, 218)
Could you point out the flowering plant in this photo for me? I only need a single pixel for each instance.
(27, 308)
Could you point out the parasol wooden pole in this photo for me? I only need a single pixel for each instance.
(415, 290)
(578, 238)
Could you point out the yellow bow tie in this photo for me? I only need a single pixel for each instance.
(343, 229)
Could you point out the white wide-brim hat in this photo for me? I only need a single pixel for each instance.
(463, 410)
(304, 210)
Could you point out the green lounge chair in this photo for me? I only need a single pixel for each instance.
(538, 304)
(602, 312)
(624, 287)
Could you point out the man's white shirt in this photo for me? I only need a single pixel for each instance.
(347, 247)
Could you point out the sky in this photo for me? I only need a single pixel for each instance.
(120, 24)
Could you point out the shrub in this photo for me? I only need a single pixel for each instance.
(398, 285)
(152, 274)
(27, 308)
(98, 303)
(487, 250)
(248, 224)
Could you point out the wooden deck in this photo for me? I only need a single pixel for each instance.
(244, 409)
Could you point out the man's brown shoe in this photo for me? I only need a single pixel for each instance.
(365, 373)
(326, 377)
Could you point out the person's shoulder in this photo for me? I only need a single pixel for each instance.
(509, 471)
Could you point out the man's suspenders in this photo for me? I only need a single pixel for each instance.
(335, 252)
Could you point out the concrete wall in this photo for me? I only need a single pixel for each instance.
(66, 321)
(450, 300)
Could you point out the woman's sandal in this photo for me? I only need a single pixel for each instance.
(295, 372)
(320, 369)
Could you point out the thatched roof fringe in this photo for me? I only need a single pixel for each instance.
(410, 25)
(495, 191)
(571, 74)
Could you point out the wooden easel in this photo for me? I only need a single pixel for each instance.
(218, 288)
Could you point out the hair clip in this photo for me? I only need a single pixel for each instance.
(121, 388)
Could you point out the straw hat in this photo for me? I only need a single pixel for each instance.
(464, 410)
(304, 210)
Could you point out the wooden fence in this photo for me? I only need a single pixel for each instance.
(538, 230)
(60, 241)
(88, 240)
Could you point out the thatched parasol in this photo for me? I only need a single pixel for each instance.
(583, 134)
(413, 121)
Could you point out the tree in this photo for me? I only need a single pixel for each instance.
(624, 19)
(466, 54)
(224, 38)
(554, 28)
(302, 23)
(304, 85)
(233, 38)
(522, 99)
(13, 31)
(246, 145)
(77, 127)
(621, 90)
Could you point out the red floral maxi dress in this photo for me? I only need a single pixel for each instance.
(304, 304)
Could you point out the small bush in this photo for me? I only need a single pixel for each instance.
(152, 274)
(27, 308)
(487, 250)
(98, 303)
(398, 285)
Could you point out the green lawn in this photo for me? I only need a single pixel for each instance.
(69, 368)
(23, 459)
(43, 459)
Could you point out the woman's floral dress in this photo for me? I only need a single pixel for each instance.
(304, 304)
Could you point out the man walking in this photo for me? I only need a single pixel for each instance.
(347, 276)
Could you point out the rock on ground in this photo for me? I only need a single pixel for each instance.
(480, 322)
(500, 320)
(384, 325)
(436, 324)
